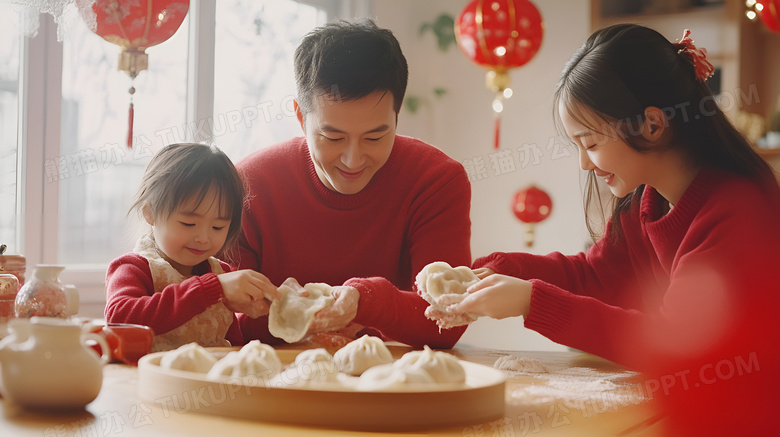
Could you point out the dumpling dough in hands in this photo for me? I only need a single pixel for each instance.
(441, 286)
(291, 314)
(191, 357)
(361, 354)
(254, 359)
(441, 366)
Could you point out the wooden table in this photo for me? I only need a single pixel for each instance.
(582, 396)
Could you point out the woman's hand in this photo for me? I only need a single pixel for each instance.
(483, 272)
(248, 292)
(338, 315)
(496, 296)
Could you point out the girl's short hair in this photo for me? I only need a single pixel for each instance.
(181, 172)
(625, 68)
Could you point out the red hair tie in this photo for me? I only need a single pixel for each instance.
(698, 57)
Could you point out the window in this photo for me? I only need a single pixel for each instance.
(254, 84)
(225, 76)
(97, 173)
(253, 87)
(9, 120)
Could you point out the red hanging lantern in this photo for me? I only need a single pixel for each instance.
(499, 35)
(769, 12)
(133, 25)
(531, 205)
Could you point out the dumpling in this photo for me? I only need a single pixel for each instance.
(310, 367)
(361, 354)
(253, 360)
(441, 366)
(389, 377)
(191, 357)
(319, 355)
(441, 286)
(291, 314)
(438, 279)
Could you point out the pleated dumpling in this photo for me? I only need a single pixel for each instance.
(191, 357)
(441, 366)
(311, 367)
(389, 377)
(254, 359)
(361, 354)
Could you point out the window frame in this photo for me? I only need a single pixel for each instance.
(40, 106)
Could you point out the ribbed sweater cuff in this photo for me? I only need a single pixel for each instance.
(499, 263)
(372, 308)
(212, 288)
(550, 313)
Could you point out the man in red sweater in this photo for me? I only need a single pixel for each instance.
(353, 203)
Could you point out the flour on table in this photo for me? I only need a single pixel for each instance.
(519, 364)
(291, 314)
(584, 389)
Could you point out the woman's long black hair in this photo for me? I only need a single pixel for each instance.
(625, 68)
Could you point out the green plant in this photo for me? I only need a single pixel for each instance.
(444, 29)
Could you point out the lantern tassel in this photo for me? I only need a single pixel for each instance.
(130, 116)
(130, 127)
(497, 131)
(529, 235)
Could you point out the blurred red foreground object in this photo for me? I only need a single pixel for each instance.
(128, 342)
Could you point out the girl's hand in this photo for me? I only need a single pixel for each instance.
(497, 296)
(483, 272)
(338, 315)
(248, 292)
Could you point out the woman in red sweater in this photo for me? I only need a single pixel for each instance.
(191, 196)
(684, 284)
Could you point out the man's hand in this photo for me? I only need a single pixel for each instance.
(338, 315)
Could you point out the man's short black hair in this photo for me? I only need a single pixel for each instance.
(348, 60)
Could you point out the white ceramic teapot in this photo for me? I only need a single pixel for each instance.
(45, 363)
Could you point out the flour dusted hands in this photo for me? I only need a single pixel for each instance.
(338, 315)
(496, 296)
(248, 292)
(444, 286)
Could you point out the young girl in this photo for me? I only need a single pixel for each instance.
(191, 196)
(683, 285)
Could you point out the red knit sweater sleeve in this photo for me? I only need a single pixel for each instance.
(131, 297)
(440, 230)
(603, 272)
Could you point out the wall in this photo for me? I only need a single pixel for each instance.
(461, 124)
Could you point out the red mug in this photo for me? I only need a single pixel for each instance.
(128, 342)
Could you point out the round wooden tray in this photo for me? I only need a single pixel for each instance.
(479, 401)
